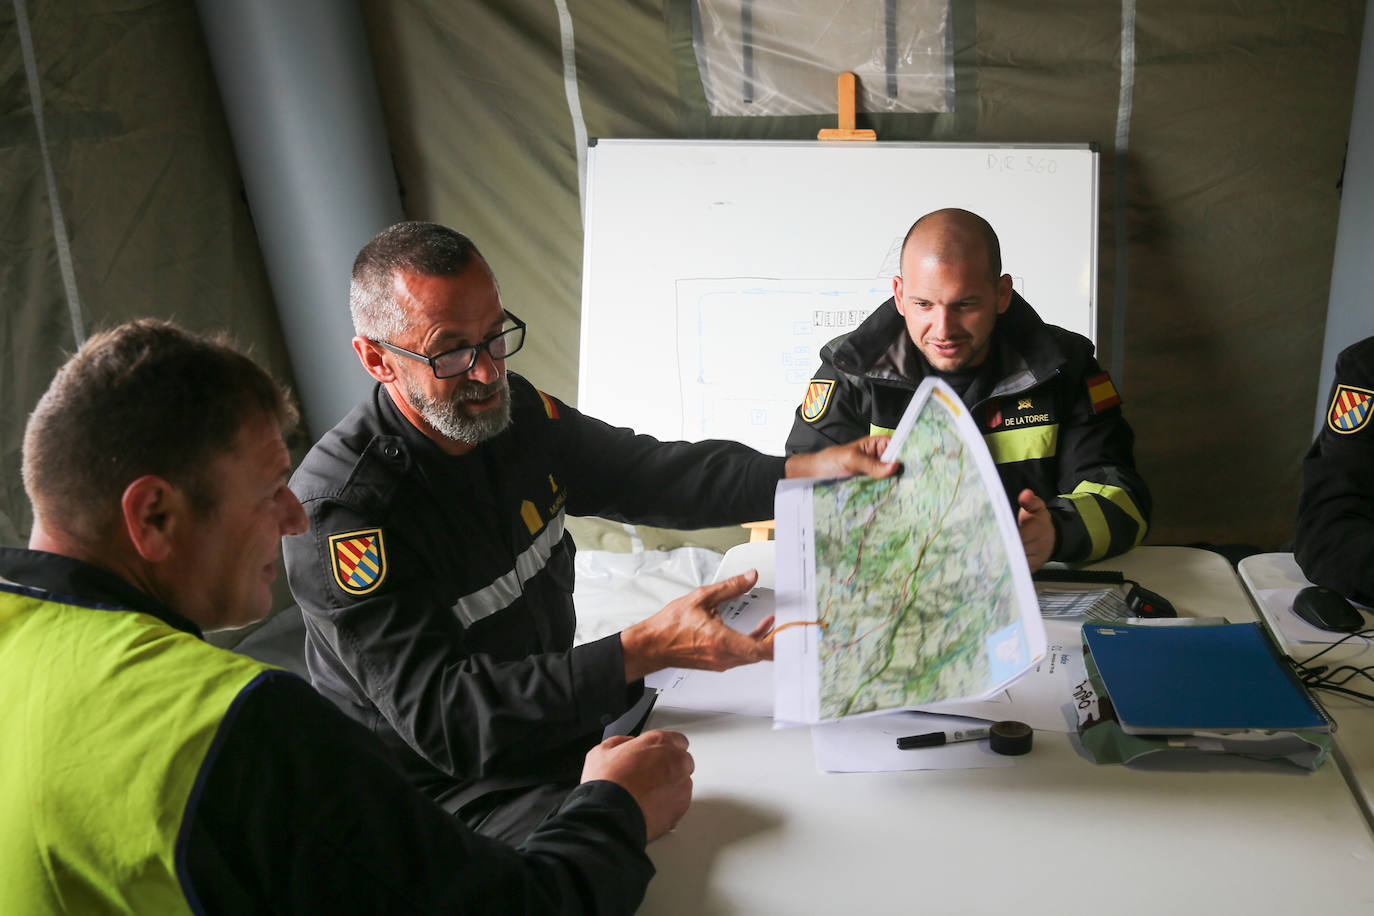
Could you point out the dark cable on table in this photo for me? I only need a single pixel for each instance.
(1324, 677)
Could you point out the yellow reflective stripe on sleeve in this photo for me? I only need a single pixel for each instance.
(1119, 498)
(1093, 520)
(876, 430)
(1010, 445)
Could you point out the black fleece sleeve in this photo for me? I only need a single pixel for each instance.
(298, 810)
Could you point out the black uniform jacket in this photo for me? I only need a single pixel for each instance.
(453, 643)
(1048, 412)
(298, 810)
(1335, 535)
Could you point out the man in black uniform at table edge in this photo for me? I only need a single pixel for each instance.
(436, 581)
(1334, 542)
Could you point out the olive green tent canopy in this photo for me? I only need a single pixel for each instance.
(1223, 134)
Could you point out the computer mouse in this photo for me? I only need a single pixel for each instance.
(1327, 610)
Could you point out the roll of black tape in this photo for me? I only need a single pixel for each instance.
(1010, 738)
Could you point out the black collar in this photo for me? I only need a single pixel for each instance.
(398, 424)
(76, 582)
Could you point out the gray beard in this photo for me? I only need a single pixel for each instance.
(451, 418)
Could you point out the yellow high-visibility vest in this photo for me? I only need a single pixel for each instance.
(106, 718)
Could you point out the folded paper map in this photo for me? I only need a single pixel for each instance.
(906, 591)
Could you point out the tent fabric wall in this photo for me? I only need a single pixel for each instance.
(1238, 122)
(149, 190)
(1237, 130)
(1238, 139)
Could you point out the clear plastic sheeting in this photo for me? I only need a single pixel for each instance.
(782, 57)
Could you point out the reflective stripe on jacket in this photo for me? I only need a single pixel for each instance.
(1046, 408)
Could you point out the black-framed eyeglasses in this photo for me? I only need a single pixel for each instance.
(456, 362)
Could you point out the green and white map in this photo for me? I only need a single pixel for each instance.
(912, 589)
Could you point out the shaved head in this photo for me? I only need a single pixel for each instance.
(953, 236)
(951, 288)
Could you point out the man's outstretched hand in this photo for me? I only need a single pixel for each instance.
(688, 633)
(858, 457)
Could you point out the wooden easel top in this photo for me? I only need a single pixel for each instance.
(846, 130)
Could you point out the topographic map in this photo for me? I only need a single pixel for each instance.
(915, 587)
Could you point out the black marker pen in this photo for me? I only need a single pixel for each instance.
(935, 739)
(1009, 737)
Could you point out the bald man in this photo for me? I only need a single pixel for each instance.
(1049, 413)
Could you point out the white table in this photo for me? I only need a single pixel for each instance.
(1354, 718)
(768, 833)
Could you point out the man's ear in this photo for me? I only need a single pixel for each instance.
(1004, 284)
(897, 295)
(153, 511)
(371, 356)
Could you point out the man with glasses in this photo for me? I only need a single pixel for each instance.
(436, 580)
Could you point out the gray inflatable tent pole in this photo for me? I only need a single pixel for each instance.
(298, 90)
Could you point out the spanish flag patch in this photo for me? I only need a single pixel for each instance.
(1350, 409)
(817, 399)
(358, 559)
(550, 407)
(1102, 392)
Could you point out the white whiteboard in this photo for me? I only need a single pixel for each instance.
(713, 271)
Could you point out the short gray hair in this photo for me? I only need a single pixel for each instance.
(414, 248)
